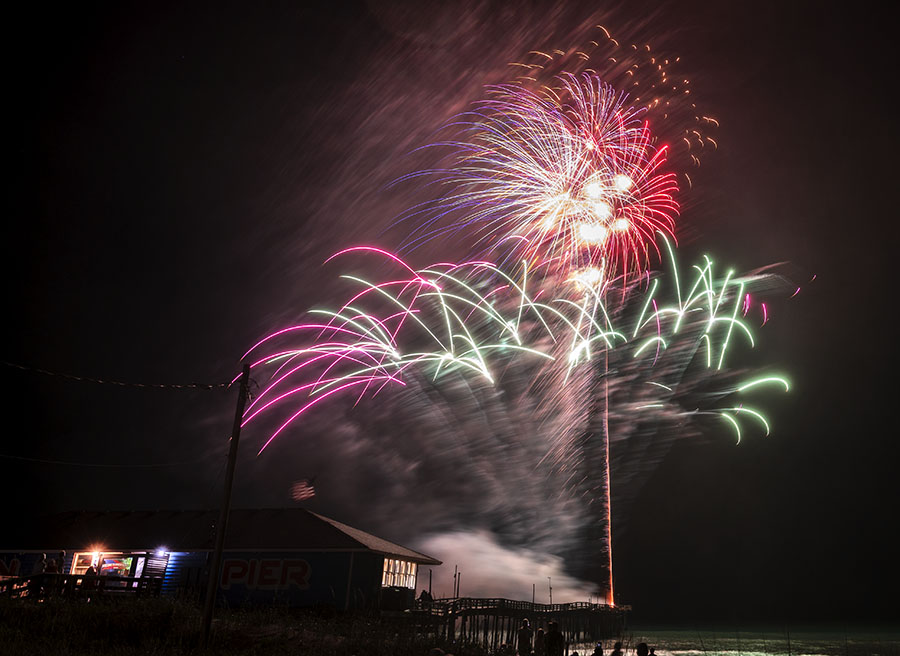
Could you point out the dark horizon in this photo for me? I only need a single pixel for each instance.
(180, 175)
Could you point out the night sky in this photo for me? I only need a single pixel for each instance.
(178, 175)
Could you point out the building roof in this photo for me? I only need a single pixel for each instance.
(271, 529)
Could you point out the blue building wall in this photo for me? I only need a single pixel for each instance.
(185, 573)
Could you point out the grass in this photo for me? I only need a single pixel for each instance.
(148, 627)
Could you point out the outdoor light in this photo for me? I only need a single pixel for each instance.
(160, 552)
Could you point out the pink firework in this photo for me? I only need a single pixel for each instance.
(430, 319)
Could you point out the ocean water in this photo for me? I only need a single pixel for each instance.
(775, 642)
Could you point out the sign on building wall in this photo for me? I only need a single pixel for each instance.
(290, 578)
(265, 573)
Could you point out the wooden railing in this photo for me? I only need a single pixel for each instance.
(463, 604)
(41, 586)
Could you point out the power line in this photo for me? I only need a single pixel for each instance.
(118, 383)
(67, 463)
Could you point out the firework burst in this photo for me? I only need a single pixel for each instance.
(654, 81)
(471, 319)
(569, 176)
(433, 319)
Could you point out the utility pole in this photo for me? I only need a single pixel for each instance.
(550, 584)
(215, 568)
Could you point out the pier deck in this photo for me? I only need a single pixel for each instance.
(493, 622)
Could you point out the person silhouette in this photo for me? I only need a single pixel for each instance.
(554, 642)
(37, 576)
(617, 649)
(523, 639)
(642, 649)
(539, 645)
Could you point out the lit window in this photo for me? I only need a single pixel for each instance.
(398, 573)
(82, 561)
